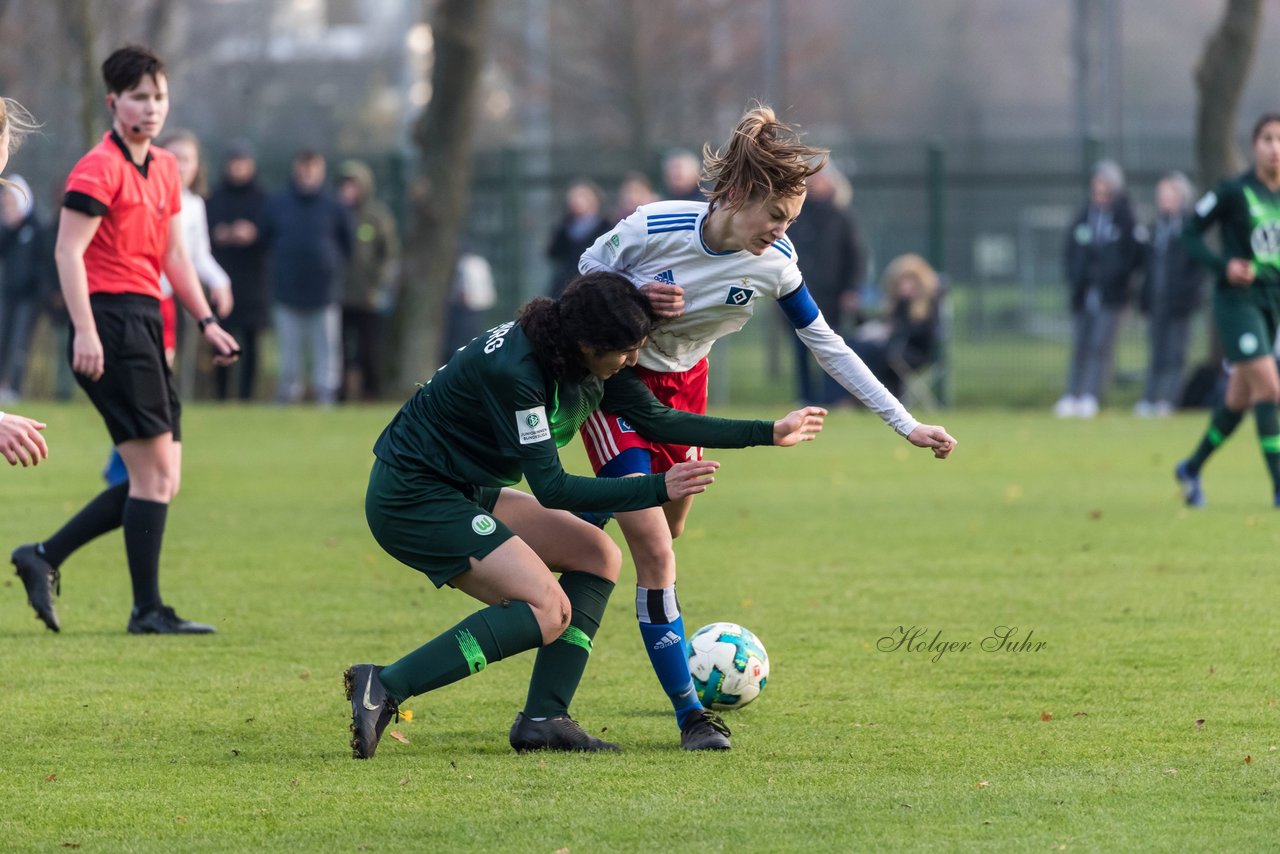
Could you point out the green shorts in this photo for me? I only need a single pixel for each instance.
(1246, 322)
(431, 525)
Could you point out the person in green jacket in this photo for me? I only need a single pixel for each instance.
(440, 500)
(1246, 303)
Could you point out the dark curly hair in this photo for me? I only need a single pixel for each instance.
(601, 311)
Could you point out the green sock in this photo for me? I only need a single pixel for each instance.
(488, 635)
(1221, 424)
(1267, 417)
(559, 666)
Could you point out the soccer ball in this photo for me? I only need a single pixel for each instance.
(729, 665)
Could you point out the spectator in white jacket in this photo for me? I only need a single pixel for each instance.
(195, 234)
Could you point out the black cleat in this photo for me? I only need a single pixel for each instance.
(558, 733)
(704, 730)
(371, 708)
(40, 578)
(163, 621)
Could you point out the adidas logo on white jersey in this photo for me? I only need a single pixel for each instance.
(667, 640)
(667, 276)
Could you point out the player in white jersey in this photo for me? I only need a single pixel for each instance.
(704, 265)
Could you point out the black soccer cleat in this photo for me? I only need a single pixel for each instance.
(40, 578)
(556, 733)
(371, 708)
(704, 730)
(162, 620)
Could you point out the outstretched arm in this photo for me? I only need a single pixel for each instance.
(625, 395)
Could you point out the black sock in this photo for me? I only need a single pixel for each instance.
(104, 513)
(143, 536)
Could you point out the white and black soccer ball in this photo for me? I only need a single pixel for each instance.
(729, 665)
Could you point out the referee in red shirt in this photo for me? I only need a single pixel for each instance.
(118, 231)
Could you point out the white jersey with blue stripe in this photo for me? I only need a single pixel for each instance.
(662, 242)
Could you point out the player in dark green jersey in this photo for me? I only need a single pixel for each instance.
(439, 500)
(1246, 303)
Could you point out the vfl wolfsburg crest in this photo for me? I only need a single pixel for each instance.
(484, 525)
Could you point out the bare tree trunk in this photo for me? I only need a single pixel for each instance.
(159, 26)
(634, 95)
(1220, 80)
(443, 136)
(78, 18)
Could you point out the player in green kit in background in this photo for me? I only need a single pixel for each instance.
(439, 501)
(1246, 303)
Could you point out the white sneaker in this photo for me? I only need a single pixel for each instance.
(1087, 406)
(1067, 407)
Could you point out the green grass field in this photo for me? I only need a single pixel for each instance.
(1154, 618)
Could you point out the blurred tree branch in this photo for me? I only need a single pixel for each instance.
(439, 199)
(77, 16)
(1220, 78)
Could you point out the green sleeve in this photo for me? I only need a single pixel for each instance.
(559, 490)
(516, 400)
(625, 395)
(1209, 210)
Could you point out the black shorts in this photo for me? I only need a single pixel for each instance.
(135, 394)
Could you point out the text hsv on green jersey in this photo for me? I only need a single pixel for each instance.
(492, 415)
(1248, 218)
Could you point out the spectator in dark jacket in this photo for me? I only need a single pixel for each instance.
(1102, 254)
(309, 238)
(370, 283)
(235, 212)
(832, 263)
(26, 249)
(1171, 292)
(581, 225)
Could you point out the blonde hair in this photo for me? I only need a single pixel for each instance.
(915, 267)
(763, 158)
(200, 184)
(15, 118)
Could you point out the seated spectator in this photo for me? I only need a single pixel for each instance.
(907, 338)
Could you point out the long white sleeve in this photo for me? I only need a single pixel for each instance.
(197, 236)
(848, 369)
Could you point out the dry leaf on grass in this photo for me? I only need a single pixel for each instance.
(1046, 716)
(398, 736)
(1248, 760)
(982, 784)
(1200, 723)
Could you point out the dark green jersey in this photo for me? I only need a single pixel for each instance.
(1248, 218)
(492, 415)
